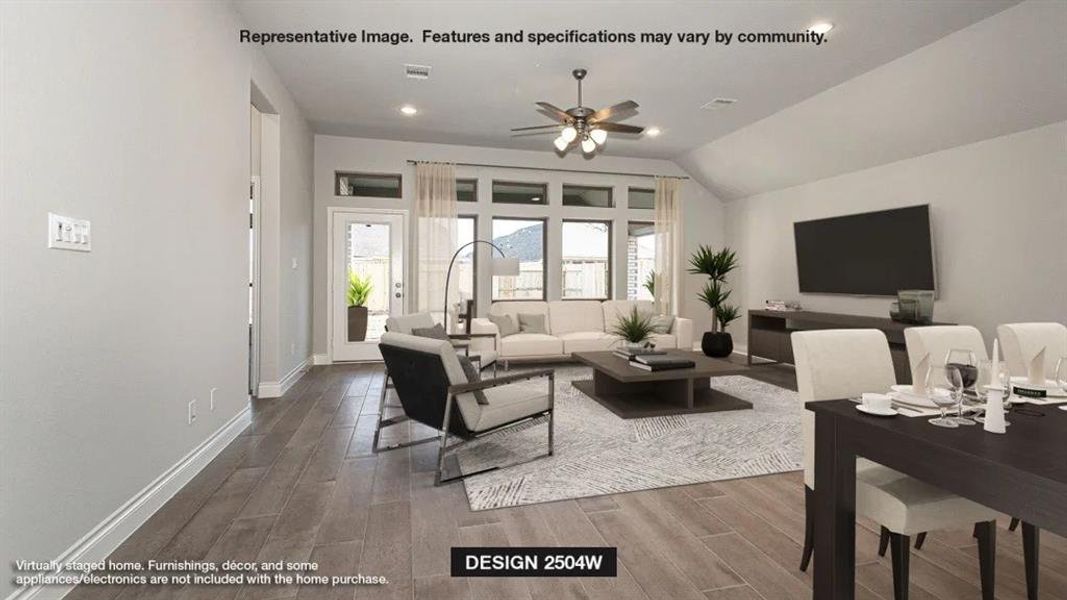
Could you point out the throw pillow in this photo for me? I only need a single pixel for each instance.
(436, 332)
(532, 323)
(472, 375)
(505, 324)
(662, 323)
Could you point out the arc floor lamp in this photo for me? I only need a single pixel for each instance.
(502, 267)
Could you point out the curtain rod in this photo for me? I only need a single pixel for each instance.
(463, 164)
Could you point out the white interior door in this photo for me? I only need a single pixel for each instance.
(368, 268)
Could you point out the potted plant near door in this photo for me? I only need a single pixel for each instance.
(359, 289)
(716, 265)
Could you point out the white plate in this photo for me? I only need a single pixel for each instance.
(888, 413)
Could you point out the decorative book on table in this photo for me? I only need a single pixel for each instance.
(661, 363)
(634, 353)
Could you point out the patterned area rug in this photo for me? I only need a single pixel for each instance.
(598, 453)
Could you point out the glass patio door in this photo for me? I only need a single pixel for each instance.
(368, 281)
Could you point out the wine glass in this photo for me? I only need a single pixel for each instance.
(963, 361)
(941, 375)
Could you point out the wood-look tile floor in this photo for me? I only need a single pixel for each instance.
(302, 484)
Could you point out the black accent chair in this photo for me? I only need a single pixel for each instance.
(434, 390)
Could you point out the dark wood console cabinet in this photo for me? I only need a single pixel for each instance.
(768, 334)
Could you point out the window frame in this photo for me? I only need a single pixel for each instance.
(630, 222)
(474, 258)
(634, 188)
(542, 185)
(609, 284)
(544, 255)
(608, 188)
(472, 180)
(397, 176)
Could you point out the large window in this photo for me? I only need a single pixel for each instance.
(523, 239)
(367, 184)
(583, 195)
(465, 269)
(586, 259)
(641, 198)
(509, 192)
(640, 259)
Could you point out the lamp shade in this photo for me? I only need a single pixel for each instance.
(504, 267)
(599, 136)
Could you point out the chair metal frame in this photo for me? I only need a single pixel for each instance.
(444, 449)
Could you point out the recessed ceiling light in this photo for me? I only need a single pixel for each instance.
(408, 110)
(822, 27)
(653, 131)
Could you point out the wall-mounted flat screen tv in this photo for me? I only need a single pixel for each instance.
(869, 254)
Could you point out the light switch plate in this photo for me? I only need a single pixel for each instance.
(68, 233)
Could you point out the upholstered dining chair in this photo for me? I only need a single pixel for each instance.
(935, 341)
(844, 363)
(482, 346)
(434, 390)
(1022, 342)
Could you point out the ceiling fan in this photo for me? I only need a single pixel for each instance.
(583, 125)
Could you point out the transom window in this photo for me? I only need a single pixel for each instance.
(585, 195)
(374, 185)
(641, 198)
(509, 192)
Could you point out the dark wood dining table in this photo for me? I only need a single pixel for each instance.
(1022, 473)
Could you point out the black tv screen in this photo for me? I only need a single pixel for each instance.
(871, 254)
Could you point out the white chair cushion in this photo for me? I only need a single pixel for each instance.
(569, 316)
(1021, 342)
(406, 323)
(530, 344)
(508, 403)
(908, 506)
(587, 341)
(664, 340)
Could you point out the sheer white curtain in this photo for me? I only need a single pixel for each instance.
(668, 222)
(435, 211)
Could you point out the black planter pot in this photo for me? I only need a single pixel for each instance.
(717, 344)
(357, 323)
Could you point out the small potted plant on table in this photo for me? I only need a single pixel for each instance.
(359, 289)
(716, 265)
(634, 329)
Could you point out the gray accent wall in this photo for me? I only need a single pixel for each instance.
(135, 116)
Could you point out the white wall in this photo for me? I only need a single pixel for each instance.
(703, 212)
(135, 116)
(999, 212)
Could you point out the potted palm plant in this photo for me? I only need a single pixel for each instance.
(359, 289)
(634, 329)
(716, 265)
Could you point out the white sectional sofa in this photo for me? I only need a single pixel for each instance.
(573, 326)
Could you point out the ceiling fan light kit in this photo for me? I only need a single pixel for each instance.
(582, 125)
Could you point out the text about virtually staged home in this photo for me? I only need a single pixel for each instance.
(525, 299)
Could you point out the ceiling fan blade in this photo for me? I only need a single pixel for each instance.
(535, 127)
(556, 111)
(607, 113)
(618, 127)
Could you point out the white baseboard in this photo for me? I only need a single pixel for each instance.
(276, 389)
(321, 359)
(103, 539)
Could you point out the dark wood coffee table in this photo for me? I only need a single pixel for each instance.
(633, 393)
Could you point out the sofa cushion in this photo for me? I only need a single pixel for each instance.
(614, 309)
(532, 323)
(662, 323)
(513, 308)
(568, 316)
(530, 344)
(588, 341)
(505, 324)
(406, 323)
(664, 340)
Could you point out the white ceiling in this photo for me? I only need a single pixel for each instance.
(1002, 75)
(476, 93)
